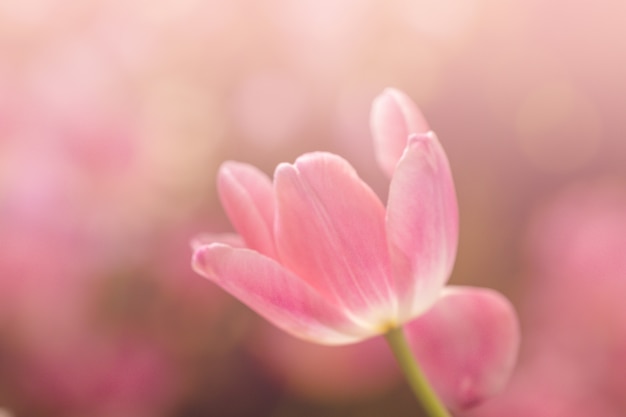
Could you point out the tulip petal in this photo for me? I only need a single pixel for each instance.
(466, 344)
(248, 199)
(330, 231)
(276, 294)
(422, 224)
(394, 117)
(230, 239)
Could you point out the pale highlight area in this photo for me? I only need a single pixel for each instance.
(558, 129)
(323, 37)
(449, 20)
(269, 109)
(180, 127)
(22, 17)
(164, 13)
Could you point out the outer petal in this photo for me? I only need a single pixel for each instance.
(467, 344)
(247, 197)
(422, 224)
(394, 117)
(230, 239)
(276, 294)
(330, 231)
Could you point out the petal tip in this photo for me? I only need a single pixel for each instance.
(227, 167)
(284, 168)
(428, 146)
(237, 171)
(313, 157)
(197, 241)
(413, 118)
(393, 118)
(385, 98)
(428, 136)
(201, 260)
(395, 94)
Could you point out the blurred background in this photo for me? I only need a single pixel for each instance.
(115, 115)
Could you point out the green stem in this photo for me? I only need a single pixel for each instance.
(418, 382)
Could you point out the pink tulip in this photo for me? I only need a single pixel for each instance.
(324, 260)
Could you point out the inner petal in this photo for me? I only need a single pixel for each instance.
(330, 230)
(247, 197)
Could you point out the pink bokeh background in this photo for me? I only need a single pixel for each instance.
(114, 116)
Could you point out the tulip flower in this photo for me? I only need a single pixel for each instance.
(322, 258)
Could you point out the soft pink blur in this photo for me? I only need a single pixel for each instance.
(114, 116)
(325, 373)
(574, 311)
